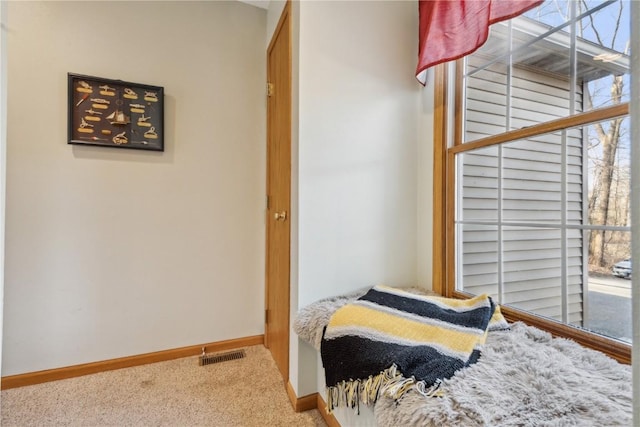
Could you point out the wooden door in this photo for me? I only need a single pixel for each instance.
(278, 193)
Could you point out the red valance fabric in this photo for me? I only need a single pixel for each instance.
(451, 29)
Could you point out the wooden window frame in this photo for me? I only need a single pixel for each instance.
(444, 186)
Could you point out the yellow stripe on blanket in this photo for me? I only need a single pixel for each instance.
(402, 328)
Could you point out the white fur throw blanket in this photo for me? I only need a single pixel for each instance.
(523, 378)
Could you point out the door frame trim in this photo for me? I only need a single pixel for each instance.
(285, 16)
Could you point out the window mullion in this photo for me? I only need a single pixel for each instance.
(563, 231)
(500, 195)
(586, 233)
(576, 120)
(573, 86)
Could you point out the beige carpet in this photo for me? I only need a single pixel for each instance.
(245, 392)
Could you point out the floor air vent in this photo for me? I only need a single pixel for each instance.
(208, 359)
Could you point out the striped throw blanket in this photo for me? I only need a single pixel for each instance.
(389, 341)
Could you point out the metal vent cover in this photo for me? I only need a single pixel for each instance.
(208, 359)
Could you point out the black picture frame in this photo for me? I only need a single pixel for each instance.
(115, 113)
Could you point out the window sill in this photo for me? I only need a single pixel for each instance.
(612, 348)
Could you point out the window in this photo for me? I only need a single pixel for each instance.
(537, 172)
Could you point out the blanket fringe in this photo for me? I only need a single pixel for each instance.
(389, 382)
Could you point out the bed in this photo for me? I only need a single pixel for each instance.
(523, 377)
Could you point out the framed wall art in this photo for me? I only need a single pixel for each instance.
(114, 113)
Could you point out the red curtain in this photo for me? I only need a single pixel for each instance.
(451, 29)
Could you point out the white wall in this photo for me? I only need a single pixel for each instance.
(359, 116)
(273, 17)
(3, 151)
(113, 252)
(357, 146)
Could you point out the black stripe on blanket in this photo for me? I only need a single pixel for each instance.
(422, 362)
(428, 309)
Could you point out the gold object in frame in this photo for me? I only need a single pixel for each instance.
(107, 107)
